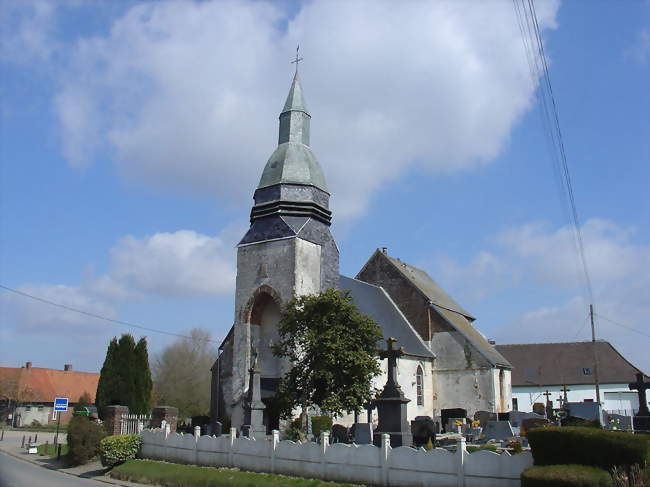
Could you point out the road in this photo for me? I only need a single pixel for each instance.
(18, 473)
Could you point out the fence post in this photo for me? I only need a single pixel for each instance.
(275, 439)
(324, 444)
(384, 453)
(461, 452)
(231, 447)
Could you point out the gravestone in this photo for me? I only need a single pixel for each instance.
(484, 416)
(447, 414)
(641, 418)
(363, 433)
(253, 426)
(539, 408)
(516, 417)
(391, 403)
(503, 416)
(530, 423)
(423, 428)
(340, 434)
(592, 411)
(618, 422)
(498, 430)
(452, 427)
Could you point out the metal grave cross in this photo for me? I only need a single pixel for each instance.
(641, 387)
(298, 59)
(392, 355)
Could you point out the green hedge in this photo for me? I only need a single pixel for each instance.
(587, 446)
(565, 476)
(83, 439)
(320, 424)
(117, 449)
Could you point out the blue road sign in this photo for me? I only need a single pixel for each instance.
(61, 404)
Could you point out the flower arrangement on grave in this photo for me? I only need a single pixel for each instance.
(458, 422)
(615, 423)
(476, 423)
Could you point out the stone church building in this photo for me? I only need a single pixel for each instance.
(289, 251)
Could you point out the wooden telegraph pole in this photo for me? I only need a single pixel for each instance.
(593, 345)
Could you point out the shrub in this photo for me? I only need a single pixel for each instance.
(487, 446)
(83, 439)
(565, 476)
(588, 446)
(114, 450)
(320, 424)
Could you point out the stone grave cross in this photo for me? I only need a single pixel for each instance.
(641, 387)
(549, 404)
(253, 406)
(391, 403)
(565, 389)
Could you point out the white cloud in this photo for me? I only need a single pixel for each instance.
(186, 94)
(169, 265)
(538, 254)
(184, 263)
(538, 258)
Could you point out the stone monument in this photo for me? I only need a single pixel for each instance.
(642, 418)
(391, 403)
(253, 426)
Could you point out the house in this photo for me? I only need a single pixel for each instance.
(27, 393)
(549, 367)
(289, 251)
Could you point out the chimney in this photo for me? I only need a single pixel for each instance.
(384, 250)
(28, 365)
(67, 367)
(492, 342)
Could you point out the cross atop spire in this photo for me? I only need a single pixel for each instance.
(298, 59)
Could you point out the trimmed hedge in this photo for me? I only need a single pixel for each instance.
(114, 450)
(588, 446)
(565, 476)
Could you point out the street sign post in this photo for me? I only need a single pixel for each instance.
(60, 405)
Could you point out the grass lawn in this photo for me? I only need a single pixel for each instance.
(51, 450)
(174, 475)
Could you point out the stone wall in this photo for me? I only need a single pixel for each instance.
(365, 464)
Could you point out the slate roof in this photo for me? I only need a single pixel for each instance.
(376, 303)
(43, 385)
(476, 338)
(549, 364)
(429, 287)
(293, 163)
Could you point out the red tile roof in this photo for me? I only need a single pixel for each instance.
(35, 384)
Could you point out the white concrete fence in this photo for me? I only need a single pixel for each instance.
(366, 464)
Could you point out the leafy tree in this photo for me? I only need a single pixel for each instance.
(125, 377)
(332, 350)
(182, 373)
(84, 400)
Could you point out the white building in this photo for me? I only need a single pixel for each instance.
(542, 367)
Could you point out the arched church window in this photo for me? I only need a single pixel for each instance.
(419, 384)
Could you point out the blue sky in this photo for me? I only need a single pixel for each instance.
(133, 135)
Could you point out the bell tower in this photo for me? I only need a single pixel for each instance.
(287, 251)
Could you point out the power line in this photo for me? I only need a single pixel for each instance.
(100, 317)
(536, 56)
(623, 326)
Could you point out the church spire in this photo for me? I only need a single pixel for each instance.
(295, 118)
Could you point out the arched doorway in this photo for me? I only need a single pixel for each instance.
(263, 319)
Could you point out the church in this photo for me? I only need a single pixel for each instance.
(289, 251)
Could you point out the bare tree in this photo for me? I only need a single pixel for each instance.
(181, 373)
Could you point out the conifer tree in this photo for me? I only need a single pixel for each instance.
(125, 378)
(143, 384)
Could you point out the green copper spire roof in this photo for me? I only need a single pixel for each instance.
(293, 162)
(295, 99)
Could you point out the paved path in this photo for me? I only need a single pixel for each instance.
(19, 473)
(20, 468)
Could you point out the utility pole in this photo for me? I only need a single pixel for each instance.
(593, 345)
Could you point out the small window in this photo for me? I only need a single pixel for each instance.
(419, 380)
(28, 408)
(586, 371)
(531, 372)
(40, 408)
